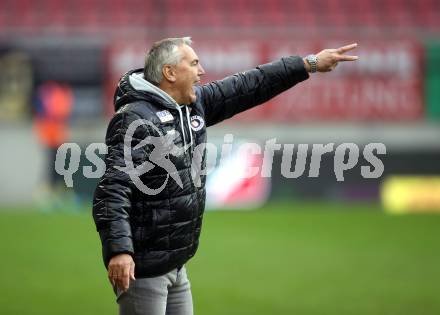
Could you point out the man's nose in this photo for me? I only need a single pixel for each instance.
(201, 70)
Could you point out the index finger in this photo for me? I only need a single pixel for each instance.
(125, 279)
(346, 48)
(347, 58)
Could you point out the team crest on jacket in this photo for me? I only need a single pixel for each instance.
(197, 122)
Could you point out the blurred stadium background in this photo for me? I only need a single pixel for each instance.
(313, 245)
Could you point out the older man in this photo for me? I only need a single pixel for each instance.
(148, 235)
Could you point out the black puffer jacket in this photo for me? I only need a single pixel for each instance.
(161, 229)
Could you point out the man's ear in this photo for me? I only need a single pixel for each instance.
(169, 73)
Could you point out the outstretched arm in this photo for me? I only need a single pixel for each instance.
(225, 98)
(234, 94)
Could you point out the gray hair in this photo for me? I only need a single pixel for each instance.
(163, 52)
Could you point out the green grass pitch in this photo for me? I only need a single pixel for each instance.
(282, 259)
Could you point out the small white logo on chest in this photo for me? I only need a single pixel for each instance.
(164, 116)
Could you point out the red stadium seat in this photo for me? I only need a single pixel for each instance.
(98, 15)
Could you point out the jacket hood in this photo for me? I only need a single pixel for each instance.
(133, 87)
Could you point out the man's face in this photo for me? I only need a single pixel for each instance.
(188, 73)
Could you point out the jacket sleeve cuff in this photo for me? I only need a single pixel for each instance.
(295, 68)
(113, 247)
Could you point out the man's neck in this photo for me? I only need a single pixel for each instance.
(171, 92)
